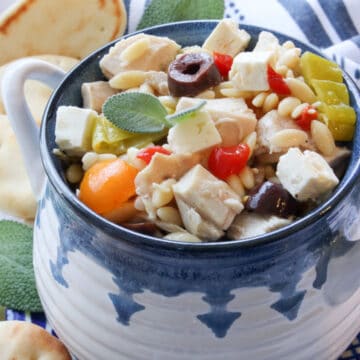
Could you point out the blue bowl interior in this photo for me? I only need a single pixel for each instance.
(186, 34)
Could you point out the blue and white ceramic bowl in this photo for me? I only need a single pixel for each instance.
(110, 293)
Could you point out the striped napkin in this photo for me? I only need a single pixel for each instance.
(331, 25)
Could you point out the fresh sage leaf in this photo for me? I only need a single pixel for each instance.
(136, 112)
(185, 114)
(161, 12)
(17, 279)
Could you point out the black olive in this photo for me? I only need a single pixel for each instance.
(271, 198)
(192, 73)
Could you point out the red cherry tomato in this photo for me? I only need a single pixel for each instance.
(227, 160)
(307, 115)
(276, 82)
(223, 62)
(146, 154)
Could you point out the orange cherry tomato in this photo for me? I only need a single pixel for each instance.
(107, 184)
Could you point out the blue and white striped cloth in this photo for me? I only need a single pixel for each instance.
(331, 25)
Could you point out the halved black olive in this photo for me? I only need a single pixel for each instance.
(271, 198)
(192, 73)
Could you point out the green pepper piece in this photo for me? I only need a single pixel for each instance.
(316, 67)
(331, 92)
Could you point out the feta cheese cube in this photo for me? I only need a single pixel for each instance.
(193, 134)
(73, 129)
(227, 38)
(249, 71)
(305, 175)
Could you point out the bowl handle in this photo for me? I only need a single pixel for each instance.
(21, 120)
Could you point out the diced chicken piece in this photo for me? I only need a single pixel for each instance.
(158, 81)
(230, 132)
(227, 38)
(193, 135)
(267, 42)
(139, 52)
(163, 167)
(233, 130)
(249, 71)
(95, 93)
(73, 129)
(306, 176)
(269, 126)
(210, 197)
(252, 224)
(196, 225)
(232, 117)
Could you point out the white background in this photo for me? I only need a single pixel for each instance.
(5, 3)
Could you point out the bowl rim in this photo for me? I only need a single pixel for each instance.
(346, 184)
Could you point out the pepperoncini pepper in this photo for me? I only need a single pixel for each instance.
(326, 79)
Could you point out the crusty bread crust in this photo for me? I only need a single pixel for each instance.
(67, 27)
(22, 340)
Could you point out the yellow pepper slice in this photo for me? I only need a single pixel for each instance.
(325, 77)
(340, 119)
(331, 92)
(107, 138)
(316, 67)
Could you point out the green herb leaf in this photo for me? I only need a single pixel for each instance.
(161, 12)
(135, 112)
(185, 114)
(17, 280)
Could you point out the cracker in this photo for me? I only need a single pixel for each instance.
(22, 340)
(66, 27)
